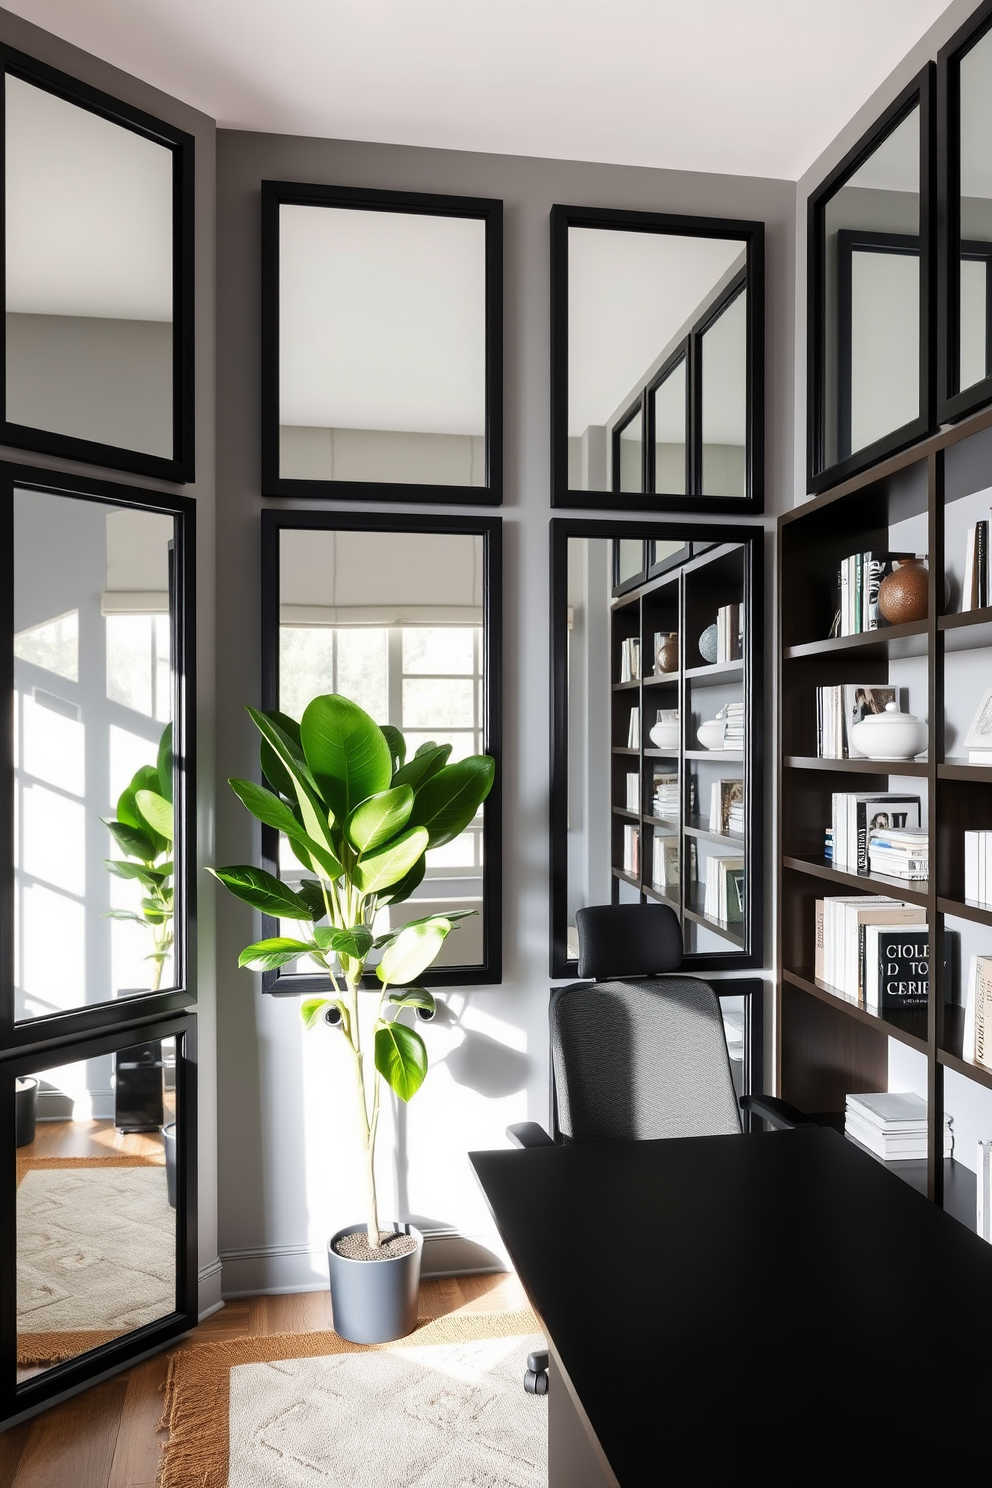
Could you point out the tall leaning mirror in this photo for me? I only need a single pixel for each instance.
(656, 731)
(870, 265)
(97, 586)
(98, 285)
(656, 361)
(381, 345)
(402, 615)
(964, 116)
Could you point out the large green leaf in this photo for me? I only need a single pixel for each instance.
(355, 942)
(310, 892)
(388, 864)
(266, 955)
(397, 892)
(273, 769)
(262, 891)
(312, 808)
(268, 808)
(133, 841)
(412, 951)
(164, 764)
(401, 1058)
(152, 877)
(426, 762)
(415, 997)
(157, 812)
(396, 742)
(346, 751)
(379, 818)
(127, 809)
(449, 800)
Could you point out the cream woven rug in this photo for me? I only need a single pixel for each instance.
(444, 1408)
(96, 1257)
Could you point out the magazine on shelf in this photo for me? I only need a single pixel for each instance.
(855, 815)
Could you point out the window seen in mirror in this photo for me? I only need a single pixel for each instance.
(723, 353)
(89, 274)
(630, 446)
(872, 301)
(92, 701)
(975, 92)
(669, 409)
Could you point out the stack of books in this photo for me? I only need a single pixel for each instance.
(733, 734)
(842, 946)
(977, 1042)
(632, 851)
(858, 582)
(724, 896)
(978, 866)
(634, 729)
(899, 854)
(838, 709)
(634, 793)
(854, 816)
(666, 797)
(665, 863)
(630, 659)
(727, 807)
(730, 632)
(892, 1125)
(975, 589)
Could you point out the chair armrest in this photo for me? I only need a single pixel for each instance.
(529, 1134)
(778, 1112)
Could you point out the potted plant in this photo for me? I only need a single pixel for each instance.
(143, 830)
(361, 818)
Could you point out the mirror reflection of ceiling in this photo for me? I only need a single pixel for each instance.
(976, 120)
(629, 295)
(895, 165)
(424, 578)
(382, 321)
(757, 88)
(89, 212)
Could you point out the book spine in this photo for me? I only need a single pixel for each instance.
(874, 572)
(981, 564)
(968, 586)
(984, 1208)
(818, 942)
(904, 979)
(845, 598)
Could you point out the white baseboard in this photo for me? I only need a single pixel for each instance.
(208, 1297)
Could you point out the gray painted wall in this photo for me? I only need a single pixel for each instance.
(93, 70)
(287, 1176)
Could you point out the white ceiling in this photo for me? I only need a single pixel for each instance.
(748, 87)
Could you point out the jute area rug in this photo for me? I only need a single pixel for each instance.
(96, 1253)
(443, 1408)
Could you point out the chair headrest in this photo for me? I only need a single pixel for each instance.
(621, 940)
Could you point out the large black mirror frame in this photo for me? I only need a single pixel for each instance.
(276, 194)
(955, 402)
(15, 1036)
(489, 970)
(22, 1399)
(180, 467)
(821, 475)
(694, 539)
(752, 234)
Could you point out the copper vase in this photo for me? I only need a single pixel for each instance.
(668, 653)
(902, 594)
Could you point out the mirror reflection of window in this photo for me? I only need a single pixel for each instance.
(89, 274)
(95, 1208)
(723, 354)
(633, 299)
(411, 652)
(872, 228)
(382, 350)
(975, 93)
(92, 698)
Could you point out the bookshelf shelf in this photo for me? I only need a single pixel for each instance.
(716, 586)
(829, 1045)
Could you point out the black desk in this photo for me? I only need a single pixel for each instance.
(762, 1309)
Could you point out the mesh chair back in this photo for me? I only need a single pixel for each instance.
(641, 1059)
(628, 940)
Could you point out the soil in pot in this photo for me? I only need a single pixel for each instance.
(356, 1247)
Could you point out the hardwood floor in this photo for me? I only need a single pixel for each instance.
(108, 1436)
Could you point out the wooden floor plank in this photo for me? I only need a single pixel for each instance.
(73, 1443)
(12, 1444)
(138, 1451)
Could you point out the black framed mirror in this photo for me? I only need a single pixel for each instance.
(964, 128)
(403, 615)
(870, 294)
(656, 741)
(657, 361)
(382, 359)
(96, 751)
(98, 1222)
(98, 276)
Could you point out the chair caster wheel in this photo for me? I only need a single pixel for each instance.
(536, 1378)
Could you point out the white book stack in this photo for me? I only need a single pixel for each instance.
(733, 734)
(633, 792)
(630, 660)
(899, 854)
(892, 1125)
(978, 866)
(666, 797)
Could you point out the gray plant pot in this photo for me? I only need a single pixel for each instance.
(375, 1301)
(25, 1110)
(169, 1143)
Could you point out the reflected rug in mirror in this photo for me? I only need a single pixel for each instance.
(442, 1408)
(96, 1256)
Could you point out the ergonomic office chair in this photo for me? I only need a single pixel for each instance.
(638, 1052)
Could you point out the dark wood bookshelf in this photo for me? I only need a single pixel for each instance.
(829, 1045)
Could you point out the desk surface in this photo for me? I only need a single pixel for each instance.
(773, 1304)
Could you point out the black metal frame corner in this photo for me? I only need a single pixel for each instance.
(490, 211)
(180, 466)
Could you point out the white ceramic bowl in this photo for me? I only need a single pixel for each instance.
(665, 736)
(890, 735)
(710, 734)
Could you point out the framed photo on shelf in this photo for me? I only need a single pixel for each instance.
(979, 736)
